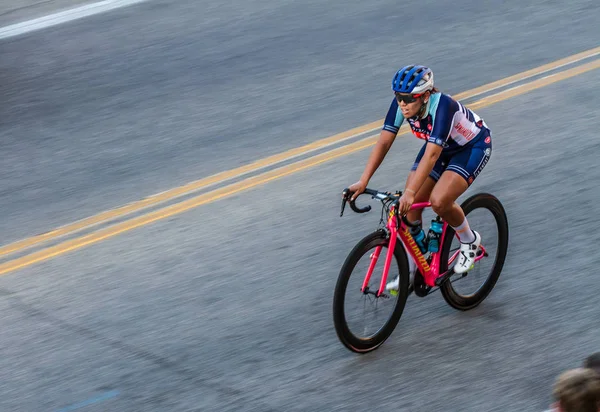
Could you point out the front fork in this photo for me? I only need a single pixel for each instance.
(393, 236)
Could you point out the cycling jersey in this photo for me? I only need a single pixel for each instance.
(447, 123)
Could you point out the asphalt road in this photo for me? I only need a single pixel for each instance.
(228, 306)
(17, 11)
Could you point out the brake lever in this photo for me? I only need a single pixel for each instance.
(344, 200)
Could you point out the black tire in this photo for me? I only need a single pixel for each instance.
(451, 296)
(352, 342)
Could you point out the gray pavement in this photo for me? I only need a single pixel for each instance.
(184, 315)
(228, 306)
(112, 108)
(17, 11)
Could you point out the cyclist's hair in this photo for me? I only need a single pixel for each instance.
(434, 90)
(593, 362)
(578, 390)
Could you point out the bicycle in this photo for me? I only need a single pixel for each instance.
(434, 272)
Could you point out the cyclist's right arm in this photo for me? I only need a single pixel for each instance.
(386, 139)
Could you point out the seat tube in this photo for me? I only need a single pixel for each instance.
(435, 262)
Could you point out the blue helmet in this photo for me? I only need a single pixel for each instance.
(413, 79)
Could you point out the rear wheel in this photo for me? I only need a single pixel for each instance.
(487, 216)
(362, 320)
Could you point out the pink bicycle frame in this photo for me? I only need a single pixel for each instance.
(430, 272)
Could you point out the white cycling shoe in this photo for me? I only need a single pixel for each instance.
(466, 257)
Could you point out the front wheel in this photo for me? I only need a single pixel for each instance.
(487, 216)
(348, 299)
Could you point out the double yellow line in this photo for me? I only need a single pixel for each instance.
(268, 176)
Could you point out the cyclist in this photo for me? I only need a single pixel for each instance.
(457, 147)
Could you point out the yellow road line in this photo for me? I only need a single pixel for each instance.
(181, 190)
(529, 73)
(178, 208)
(265, 162)
(536, 84)
(263, 178)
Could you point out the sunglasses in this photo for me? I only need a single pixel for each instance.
(407, 98)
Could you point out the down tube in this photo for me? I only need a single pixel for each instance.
(416, 255)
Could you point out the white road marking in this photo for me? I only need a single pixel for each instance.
(64, 17)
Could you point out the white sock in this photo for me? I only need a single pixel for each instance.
(464, 232)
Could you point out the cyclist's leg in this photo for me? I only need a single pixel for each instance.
(462, 170)
(443, 197)
(443, 202)
(424, 193)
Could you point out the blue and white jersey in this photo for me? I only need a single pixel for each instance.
(446, 123)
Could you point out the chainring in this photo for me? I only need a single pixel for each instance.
(420, 288)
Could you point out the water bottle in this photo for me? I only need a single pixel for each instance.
(418, 235)
(434, 235)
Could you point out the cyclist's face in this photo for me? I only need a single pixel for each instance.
(410, 104)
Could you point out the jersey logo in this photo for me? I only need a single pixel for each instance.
(468, 134)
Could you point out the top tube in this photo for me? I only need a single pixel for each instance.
(421, 205)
